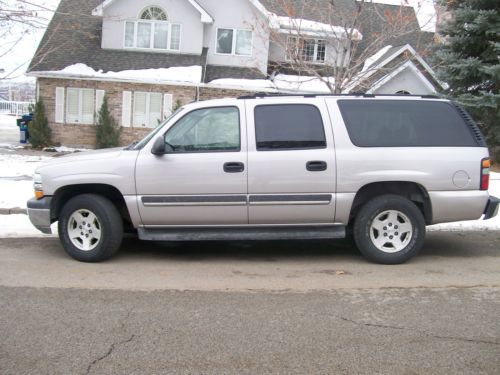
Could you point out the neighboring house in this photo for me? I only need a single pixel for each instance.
(149, 56)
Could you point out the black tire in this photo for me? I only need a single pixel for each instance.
(107, 223)
(375, 233)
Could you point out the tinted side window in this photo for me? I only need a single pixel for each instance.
(288, 127)
(207, 129)
(404, 123)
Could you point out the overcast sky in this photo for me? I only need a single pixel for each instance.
(16, 61)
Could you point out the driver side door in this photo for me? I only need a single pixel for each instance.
(202, 177)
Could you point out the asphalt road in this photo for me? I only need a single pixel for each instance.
(251, 307)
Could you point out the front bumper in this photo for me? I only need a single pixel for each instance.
(491, 209)
(39, 213)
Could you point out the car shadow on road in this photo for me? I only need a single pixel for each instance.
(437, 244)
(240, 250)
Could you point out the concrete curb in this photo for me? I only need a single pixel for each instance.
(13, 211)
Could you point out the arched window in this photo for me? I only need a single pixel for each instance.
(152, 31)
(153, 13)
(403, 92)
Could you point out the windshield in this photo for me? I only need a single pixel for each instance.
(137, 145)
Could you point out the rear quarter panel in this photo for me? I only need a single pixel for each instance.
(434, 168)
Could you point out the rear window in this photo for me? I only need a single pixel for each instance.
(288, 127)
(405, 123)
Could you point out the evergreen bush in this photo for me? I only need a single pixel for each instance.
(40, 134)
(107, 130)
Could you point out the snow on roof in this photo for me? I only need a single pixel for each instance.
(300, 26)
(189, 74)
(372, 59)
(281, 83)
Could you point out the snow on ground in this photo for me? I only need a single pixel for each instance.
(16, 187)
(16, 179)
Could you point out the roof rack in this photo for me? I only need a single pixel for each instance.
(263, 95)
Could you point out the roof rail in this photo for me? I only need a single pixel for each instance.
(263, 95)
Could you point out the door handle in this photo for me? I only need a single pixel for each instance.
(316, 166)
(234, 167)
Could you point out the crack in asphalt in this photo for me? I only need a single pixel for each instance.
(419, 331)
(108, 353)
(113, 345)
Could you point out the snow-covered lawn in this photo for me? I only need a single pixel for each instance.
(16, 187)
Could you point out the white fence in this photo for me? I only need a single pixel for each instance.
(14, 108)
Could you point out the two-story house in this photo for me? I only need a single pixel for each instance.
(149, 56)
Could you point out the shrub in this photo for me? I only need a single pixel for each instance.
(39, 131)
(107, 130)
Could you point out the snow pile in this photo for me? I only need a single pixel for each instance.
(184, 74)
(16, 179)
(281, 83)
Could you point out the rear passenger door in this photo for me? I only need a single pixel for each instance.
(291, 162)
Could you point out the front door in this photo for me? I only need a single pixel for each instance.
(202, 177)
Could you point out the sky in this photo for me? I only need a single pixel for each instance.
(15, 62)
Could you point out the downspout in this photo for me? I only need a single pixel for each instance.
(204, 59)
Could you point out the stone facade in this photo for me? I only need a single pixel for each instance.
(81, 135)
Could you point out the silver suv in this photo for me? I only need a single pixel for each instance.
(276, 167)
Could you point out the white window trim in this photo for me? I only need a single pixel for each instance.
(147, 110)
(80, 106)
(316, 40)
(152, 36)
(233, 47)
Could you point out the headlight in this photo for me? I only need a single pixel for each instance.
(37, 185)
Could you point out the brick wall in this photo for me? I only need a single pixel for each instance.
(81, 135)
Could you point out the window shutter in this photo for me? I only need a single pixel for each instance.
(167, 105)
(99, 98)
(126, 108)
(59, 105)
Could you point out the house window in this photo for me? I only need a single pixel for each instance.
(80, 106)
(147, 109)
(152, 31)
(309, 50)
(234, 42)
(153, 13)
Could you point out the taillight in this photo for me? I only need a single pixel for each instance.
(485, 173)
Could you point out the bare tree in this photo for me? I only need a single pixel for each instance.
(335, 47)
(18, 19)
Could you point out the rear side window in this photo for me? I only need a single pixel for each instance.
(405, 123)
(288, 127)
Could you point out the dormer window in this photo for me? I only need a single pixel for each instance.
(153, 31)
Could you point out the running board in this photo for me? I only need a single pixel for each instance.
(242, 234)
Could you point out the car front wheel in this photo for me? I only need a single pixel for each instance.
(90, 228)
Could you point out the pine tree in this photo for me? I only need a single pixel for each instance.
(469, 63)
(40, 134)
(107, 130)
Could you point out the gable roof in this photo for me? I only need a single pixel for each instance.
(74, 36)
(391, 62)
(205, 17)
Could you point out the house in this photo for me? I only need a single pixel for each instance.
(148, 56)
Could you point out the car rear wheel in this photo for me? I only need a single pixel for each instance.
(389, 229)
(90, 228)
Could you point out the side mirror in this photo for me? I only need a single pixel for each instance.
(158, 147)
